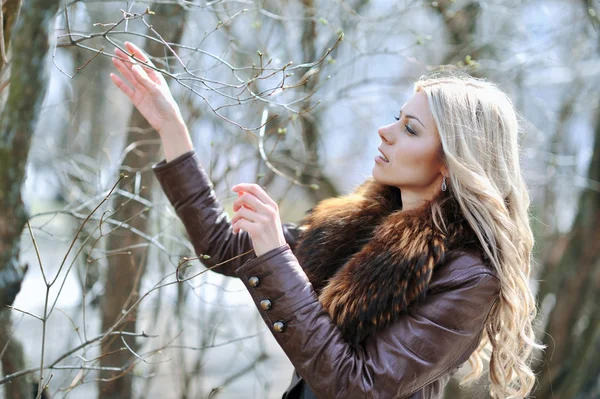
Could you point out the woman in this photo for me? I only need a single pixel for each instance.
(387, 291)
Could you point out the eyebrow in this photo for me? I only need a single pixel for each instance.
(412, 117)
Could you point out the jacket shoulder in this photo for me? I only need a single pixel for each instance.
(460, 266)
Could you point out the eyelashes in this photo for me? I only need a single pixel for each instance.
(407, 127)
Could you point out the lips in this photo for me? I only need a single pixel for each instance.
(383, 155)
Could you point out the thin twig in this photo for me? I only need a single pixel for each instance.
(41, 388)
(44, 320)
(23, 311)
(264, 157)
(54, 366)
(121, 177)
(37, 252)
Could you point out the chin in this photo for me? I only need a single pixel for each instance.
(382, 179)
(375, 175)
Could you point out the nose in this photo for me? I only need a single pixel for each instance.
(382, 131)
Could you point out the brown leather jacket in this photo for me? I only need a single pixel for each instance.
(412, 358)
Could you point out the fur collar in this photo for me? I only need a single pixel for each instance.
(368, 260)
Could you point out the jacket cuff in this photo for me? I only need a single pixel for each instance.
(279, 287)
(181, 176)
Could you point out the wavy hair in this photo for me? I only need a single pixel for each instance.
(479, 132)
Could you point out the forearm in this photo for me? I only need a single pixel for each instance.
(191, 193)
(189, 190)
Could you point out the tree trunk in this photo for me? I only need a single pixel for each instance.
(17, 124)
(461, 26)
(10, 12)
(570, 364)
(85, 133)
(309, 122)
(124, 272)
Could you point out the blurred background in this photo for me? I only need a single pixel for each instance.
(104, 312)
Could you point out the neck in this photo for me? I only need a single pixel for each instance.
(412, 199)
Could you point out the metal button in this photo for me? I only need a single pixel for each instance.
(265, 304)
(278, 326)
(253, 281)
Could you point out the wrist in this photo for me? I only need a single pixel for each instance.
(175, 140)
(174, 128)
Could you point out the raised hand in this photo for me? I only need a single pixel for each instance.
(150, 94)
(149, 91)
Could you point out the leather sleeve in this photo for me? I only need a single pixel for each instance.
(190, 191)
(435, 337)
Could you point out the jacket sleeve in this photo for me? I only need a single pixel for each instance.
(434, 338)
(190, 191)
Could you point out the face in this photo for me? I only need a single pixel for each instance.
(412, 146)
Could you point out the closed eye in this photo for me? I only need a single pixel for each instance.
(407, 126)
(410, 130)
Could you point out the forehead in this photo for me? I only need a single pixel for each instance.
(417, 105)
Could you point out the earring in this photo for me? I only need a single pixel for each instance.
(444, 186)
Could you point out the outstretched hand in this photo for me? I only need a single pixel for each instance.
(256, 213)
(149, 92)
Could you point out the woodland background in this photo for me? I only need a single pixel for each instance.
(89, 243)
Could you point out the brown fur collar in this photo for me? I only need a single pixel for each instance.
(368, 260)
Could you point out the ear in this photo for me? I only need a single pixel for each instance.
(444, 171)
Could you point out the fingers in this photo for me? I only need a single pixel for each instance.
(142, 77)
(243, 217)
(258, 193)
(125, 69)
(129, 92)
(245, 225)
(249, 199)
(140, 55)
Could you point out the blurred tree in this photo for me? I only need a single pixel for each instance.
(570, 366)
(125, 271)
(88, 136)
(85, 137)
(313, 44)
(309, 123)
(26, 91)
(10, 11)
(461, 25)
(570, 281)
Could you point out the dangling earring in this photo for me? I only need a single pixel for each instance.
(444, 186)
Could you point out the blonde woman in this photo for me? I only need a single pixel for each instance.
(386, 291)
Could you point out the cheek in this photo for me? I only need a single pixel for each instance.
(417, 156)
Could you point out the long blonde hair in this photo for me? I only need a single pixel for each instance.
(479, 131)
